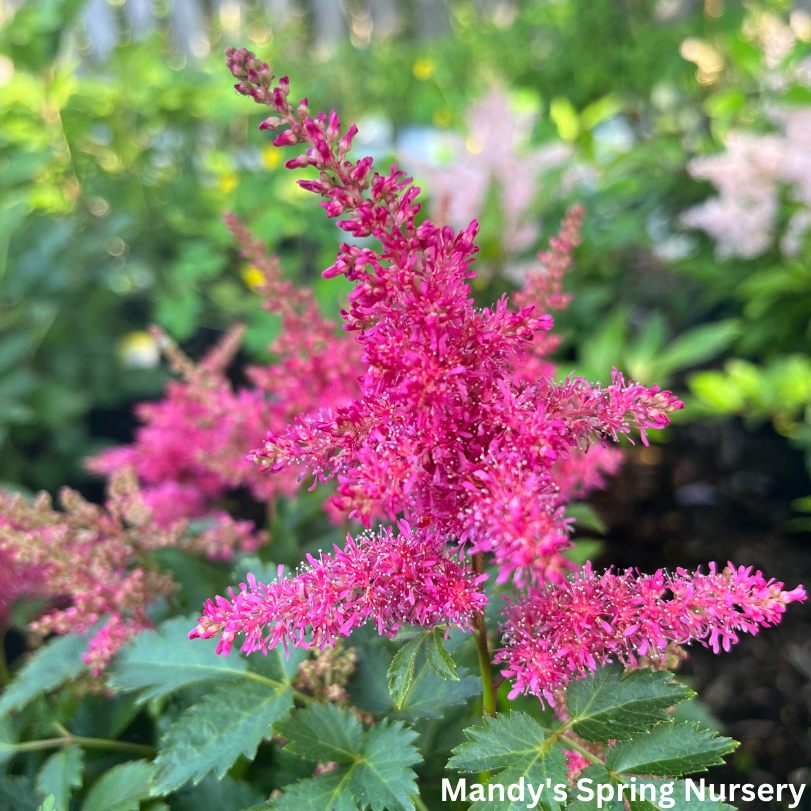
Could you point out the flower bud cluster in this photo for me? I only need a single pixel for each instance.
(326, 675)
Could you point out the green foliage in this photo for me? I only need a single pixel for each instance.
(160, 662)
(225, 794)
(669, 751)
(56, 662)
(516, 745)
(231, 721)
(608, 707)
(401, 671)
(373, 768)
(122, 788)
(61, 773)
(427, 695)
(17, 792)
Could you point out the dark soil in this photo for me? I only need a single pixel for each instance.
(721, 493)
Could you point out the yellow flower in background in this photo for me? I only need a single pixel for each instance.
(138, 350)
(443, 117)
(424, 68)
(271, 157)
(228, 181)
(252, 276)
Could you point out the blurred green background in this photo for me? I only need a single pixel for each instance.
(122, 143)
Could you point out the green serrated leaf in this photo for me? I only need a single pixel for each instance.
(586, 793)
(223, 795)
(383, 777)
(231, 721)
(60, 773)
(17, 793)
(439, 660)
(515, 743)
(401, 670)
(8, 740)
(610, 707)
(53, 664)
(49, 804)
(122, 788)
(322, 733)
(159, 662)
(659, 801)
(325, 792)
(669, 750)
(375, 770)
(596, 791)
(428, 696)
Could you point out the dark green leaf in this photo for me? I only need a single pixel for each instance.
(383, 777)
(515, 743)
(439, 660)
(401, 670)
(277, 665)
(218, 795)
(609, 707)
(428, 696)
(159, 662)
(17, 793)
(122, 788)
(325, 792)
(375, 767)
(8, 739)
(231, 721)
(60, 773)
(669, 751)
(586, 795)
(658, 802)
(322, 733)
(53, 664)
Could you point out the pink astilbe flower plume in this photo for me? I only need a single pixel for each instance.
(445, 426)
(459, 424)
(379, 577)
(93, 562)
(559, 632)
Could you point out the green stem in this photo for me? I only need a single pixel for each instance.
(5, 677)
(277, 685)
(480, 632)
(557, 736)
(89, 743)
(418, 803)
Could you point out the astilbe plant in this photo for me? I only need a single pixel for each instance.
(449, 430)
(453, 447)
